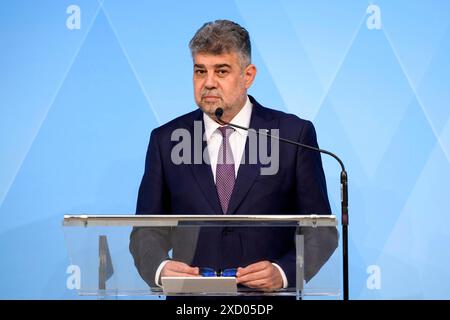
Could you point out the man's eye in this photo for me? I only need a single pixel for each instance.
(199, 72)
(222, 72)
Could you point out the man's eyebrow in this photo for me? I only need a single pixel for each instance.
(222, 65)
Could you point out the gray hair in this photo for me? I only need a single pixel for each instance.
(222, 36)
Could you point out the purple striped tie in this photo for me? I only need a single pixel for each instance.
(225, 169)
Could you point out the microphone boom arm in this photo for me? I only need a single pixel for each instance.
(344, 192)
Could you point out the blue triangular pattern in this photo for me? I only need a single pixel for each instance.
(434, 88)
(416, 29)
(285, 58)
(402, 164)
(423, 244)
(91, 147)
(371, 88)
(37, 51)
(325, 41)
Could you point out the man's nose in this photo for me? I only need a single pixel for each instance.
(211, 81)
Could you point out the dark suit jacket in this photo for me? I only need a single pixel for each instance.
(298, 188)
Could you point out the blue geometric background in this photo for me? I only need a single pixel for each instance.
(77, 107)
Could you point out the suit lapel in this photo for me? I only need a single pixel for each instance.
(247, 172)
(203, 173)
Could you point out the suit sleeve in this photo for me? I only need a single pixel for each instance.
(312, 198)
(149, 246)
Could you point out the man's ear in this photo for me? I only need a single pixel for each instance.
(249, 74)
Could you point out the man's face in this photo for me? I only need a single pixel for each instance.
(221, 81)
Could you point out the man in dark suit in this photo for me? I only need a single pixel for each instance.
(226, 181)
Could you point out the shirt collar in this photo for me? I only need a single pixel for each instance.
(241, 119)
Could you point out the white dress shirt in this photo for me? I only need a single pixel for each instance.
(237, 143)
(237, 138)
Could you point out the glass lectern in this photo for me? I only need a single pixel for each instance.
(99, 249)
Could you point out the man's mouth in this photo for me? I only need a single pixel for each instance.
(210, 98)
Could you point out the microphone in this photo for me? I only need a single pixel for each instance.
(344, 190)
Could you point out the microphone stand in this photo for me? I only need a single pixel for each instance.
(344, 192)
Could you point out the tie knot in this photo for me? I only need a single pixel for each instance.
(226, 131)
